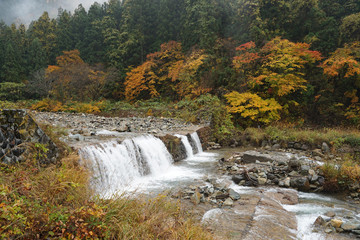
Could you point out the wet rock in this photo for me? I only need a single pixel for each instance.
(336, 223)
(228, 202)
(234, 195)
(350, 226)
(175, 147)
(237, 178)
(319, 221)
(330, 214)
(328, 230)
(221, 195)
(77, 137)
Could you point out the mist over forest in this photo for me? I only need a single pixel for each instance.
(25, 11)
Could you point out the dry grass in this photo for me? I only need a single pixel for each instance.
(56, 202)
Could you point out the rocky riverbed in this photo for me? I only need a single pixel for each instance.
(252, 193)
(83, 128)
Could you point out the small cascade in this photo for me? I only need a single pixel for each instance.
(196, 139)
(116, 165)
(188, 148)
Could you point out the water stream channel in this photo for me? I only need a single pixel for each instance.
(143, 164)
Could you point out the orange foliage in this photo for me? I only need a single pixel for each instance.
(72, 78)
(168, 72)
(343, 60)
(281, 65)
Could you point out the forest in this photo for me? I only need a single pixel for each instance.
(265, 61)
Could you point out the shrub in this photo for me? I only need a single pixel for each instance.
(11, 91)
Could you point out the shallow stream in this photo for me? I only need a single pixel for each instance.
(142, 164)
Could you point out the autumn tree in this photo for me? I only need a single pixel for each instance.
(275, 72)
(342, 69)
(73, 79)
(167, 73)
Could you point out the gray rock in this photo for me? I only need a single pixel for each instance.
(287, 182)
(350, 226)
(293, 174)
(325, 148)
(304, 147)
(77, 137)
(314, 178)
(328, 230)
(228, 202)
(252, 156)
(317, 153)
(305, 169)
(261, 180)
(234, 195)
(237, 178)
(276, 146)
(330, 214)
(319, 221)
(297, 145)
(294, 164)
(301, 183)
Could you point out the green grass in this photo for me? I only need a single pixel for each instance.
(335, 137)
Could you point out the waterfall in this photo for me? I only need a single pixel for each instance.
(196, 139)
(188, 148)
(116, 165)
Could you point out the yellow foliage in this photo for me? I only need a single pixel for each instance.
(253, 107)
(168, 72)
(49, 105)
(351, 170)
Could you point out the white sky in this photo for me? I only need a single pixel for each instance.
(25, 11)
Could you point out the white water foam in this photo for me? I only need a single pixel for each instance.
(141, 164)
(116, 165)
(196, 139)
(188, 148)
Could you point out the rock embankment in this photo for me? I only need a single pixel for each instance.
(18, 129)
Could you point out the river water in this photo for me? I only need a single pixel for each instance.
(143, 164)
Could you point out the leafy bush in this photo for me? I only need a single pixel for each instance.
(11, 91)
(341, 175)
(50, 105)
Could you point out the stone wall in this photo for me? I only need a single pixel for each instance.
(17, 130)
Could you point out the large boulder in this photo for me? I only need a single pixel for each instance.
(175, 147)
(253, 156)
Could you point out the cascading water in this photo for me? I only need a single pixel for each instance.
(188, 148)
(196, 139)
(143, 164)
(116, 165)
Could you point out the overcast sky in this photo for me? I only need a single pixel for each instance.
(25, 11)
